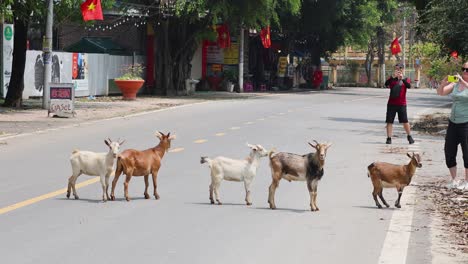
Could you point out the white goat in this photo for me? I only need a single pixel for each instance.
(94, 164)
(223, 168)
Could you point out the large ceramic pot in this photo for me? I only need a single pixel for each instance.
(129, 88)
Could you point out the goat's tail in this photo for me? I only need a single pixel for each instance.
(75, 151)
(118, 167)
(369, 168)
(270, 153)
(204, 160)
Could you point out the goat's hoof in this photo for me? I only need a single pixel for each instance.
(249, 203)
(147, 196)
(157, 197)
(112, 198)
(397, 205)
(77, 197)
(272, 207)
(379, 206)
(387, 205)
(68, 195)
(211, 201)
(128, 199)
(220, 203)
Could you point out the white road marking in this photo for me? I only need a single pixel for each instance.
(395, 248)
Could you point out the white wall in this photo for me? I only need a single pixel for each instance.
(196, 71)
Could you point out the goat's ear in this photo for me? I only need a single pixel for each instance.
(159, 134)
(312, 145)
(409, 155)
(172, 137)
(328, 145)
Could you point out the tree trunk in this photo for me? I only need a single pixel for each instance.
(16, 86)
(381, 55)
(176, 45)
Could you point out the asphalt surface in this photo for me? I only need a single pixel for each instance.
(182, 227)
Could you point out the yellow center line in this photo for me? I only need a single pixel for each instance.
(199, 141)
(235, 128)
(45, 196)
(176, 150)
(220, 134)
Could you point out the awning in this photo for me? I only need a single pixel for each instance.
(97, 45)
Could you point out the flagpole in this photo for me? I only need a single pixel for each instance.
(47, 54)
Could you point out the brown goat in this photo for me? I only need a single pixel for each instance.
(142, 163)
(387, 175)
(294, 167)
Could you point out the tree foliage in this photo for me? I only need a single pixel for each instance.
(444, 22)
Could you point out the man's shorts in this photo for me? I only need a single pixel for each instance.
(391, 112)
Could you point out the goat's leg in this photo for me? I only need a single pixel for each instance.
(75, 194)
(374, 194)
(127, 180)
(247, 184)
(314, 186)
(146, 187)
(70, 182)
(118, 172)
(107, 185)
(216, 186)
(400, 192)
(271, 193)
(103, 184)
(155, 184)
(382, 198)
(211, 193)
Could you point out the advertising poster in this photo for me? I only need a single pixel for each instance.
(7, 42)
(80, 71)
(34, 71)
(282, 66)
(231, 54)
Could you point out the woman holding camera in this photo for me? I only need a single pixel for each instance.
(457, 131)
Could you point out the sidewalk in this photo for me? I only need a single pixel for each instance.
(33, 118)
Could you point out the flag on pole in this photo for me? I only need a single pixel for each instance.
(224, 38)
(395, 48)
(454, 54)
(266, 37)
(91, 10)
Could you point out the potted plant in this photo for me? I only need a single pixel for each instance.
(130, 82)
(230, 79)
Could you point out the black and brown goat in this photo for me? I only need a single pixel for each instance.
(294, 167)
(387, 175)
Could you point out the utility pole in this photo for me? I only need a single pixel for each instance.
(47, 54)
(241, 60)
(404, 39)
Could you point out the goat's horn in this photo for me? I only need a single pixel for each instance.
(168, 134)
(110, 140)
(316, 142)
(160, 132)
(121, 142)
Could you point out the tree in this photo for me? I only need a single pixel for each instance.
(177, 37)
(23, 14)
(444, 22)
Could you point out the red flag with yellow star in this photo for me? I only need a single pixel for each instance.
(395, 48)
(266, 37)
(91, 10)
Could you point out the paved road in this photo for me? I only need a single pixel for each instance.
(183, 227)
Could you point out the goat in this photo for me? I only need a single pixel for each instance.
(223, 168)
(133, 162)
(94, 164)
(387, 175)
(294, 167)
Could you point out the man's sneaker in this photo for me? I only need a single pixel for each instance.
(410, 139)
(463, 185)
(389, 140)
(452, 184)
